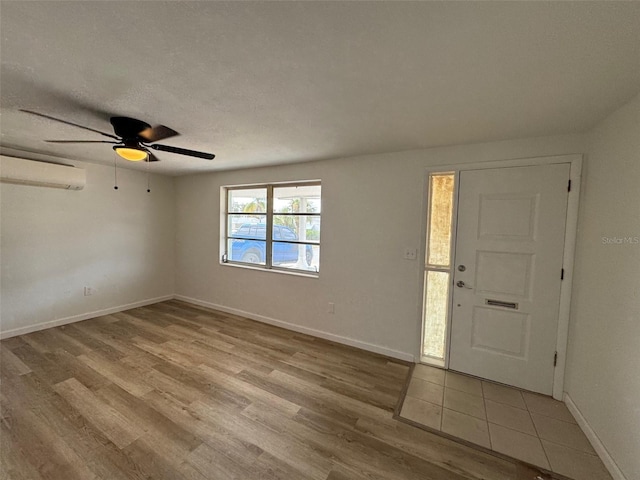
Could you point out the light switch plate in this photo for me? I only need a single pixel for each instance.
(410, 253)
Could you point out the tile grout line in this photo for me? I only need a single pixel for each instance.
(428, 381)
(553, 418)
(501, 402)
(486, 415)
(464, 391)
(544, 450)
(569, 448)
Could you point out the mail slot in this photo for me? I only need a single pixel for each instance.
(500, 303)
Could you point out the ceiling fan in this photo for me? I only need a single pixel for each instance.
(133, 138)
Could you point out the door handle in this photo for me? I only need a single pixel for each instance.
(461, 284)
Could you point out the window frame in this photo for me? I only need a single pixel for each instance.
(269, 215)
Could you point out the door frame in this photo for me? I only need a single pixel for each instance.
(571, 228)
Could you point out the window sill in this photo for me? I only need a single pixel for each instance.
(271, 270)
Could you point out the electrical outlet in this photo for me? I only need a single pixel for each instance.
(88, 291)
(410, 253)
(331, 308)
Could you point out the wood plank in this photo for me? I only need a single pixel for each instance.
(349, 406)
(13, 342)
(158, 466)
(12, 365)
(106, 419)
(129, 378)
(119, 331)
(195, 378)
(42, 366)
(172, 438)
(49, 454)
(292, 393)
(166, 384)
(214, 435)
(206, 459)
(15, 464)
(297, 454)
(79, 370)
(164, 352)
(251, 392)
(68, 343)
(25, 391)
(271, 468)
(77, 332)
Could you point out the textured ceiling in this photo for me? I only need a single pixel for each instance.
(275, 82)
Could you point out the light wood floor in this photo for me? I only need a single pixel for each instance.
(173, 391)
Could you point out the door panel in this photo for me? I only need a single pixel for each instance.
(504, 273)
(510, 240)
(501, 332)
(507, 216)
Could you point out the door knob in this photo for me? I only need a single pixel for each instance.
(461, 284)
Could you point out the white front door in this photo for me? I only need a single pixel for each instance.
(507, 274)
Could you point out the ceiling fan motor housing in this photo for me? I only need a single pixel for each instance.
(128, 128)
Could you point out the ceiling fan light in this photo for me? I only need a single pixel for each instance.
(131, 154)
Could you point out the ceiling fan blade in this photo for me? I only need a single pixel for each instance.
(182, 151)
(159, 132)
(69, 123)
(20, 85)
(81, 141)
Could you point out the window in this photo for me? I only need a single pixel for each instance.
(273, 226)
(437, 275)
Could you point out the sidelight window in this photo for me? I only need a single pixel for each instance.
(437, 274)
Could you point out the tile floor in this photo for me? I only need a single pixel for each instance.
(529, 427)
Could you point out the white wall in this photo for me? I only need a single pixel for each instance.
(54, 242)
(372, 209)
(603, 364)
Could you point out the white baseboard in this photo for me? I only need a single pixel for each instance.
(83, 316)
(306, 330)
(596, 443)
(260, 318)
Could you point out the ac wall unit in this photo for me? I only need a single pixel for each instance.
(41, 174)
